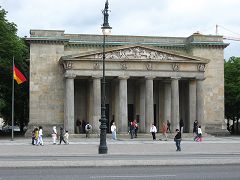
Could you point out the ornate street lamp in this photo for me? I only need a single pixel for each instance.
(106, 30)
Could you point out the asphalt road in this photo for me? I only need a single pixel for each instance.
(216, 172)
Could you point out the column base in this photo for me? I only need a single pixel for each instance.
(216, 129)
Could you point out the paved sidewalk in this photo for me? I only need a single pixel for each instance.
(122, 152)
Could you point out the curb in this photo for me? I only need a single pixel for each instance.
(117, 163)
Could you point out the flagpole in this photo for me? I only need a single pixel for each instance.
(12, 99)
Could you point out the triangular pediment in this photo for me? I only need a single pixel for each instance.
(136, 52)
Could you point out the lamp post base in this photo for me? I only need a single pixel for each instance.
(102, 150)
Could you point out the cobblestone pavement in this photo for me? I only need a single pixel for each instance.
(121, 152)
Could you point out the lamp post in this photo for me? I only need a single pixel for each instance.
(106, 30)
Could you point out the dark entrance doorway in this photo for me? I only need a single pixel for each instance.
(155, 116)
(130, 113)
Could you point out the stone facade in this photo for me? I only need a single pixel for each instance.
(151, 79)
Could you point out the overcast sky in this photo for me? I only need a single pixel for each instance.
(130, 17)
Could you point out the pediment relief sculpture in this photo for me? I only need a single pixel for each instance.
(136, 53)
(143, 54)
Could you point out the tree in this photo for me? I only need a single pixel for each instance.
(232, 89)
(13, 46)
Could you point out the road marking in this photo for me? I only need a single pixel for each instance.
(138, 176)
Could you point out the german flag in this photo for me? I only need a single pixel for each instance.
(18, 76)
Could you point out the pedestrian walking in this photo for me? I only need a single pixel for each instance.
(168, 126)
(178, 139)
(153, 130)
(78, 126)
(164, 130)
(198, 137)
(135, 124)
(195, 127)
(88, 129)
(36, 136)
(54, 134)
(66, 136)
(83, 126)
(114, 131)
(33, 136)
(40, 136)
(61, 136)
(132, 129)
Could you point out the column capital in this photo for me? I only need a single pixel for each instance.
(200, 78)
(69, 76)
(123, 77)
(150, 77)
(176, 78)
(96, 77)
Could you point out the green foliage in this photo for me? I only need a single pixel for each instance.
(13, 46)
(232, 88)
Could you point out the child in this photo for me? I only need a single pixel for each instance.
(66, 136)
(177, 139)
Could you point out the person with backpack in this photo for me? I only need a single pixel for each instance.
(88, 128)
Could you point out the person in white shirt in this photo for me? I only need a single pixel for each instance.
(54, 134)
(114, 131)
(153, 130)
(199, 134)
(66, 136)
(40, 139)
(88, 128)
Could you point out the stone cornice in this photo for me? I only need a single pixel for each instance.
(209, 44)
(47, 40)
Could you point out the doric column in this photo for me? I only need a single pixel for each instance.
(167, 102)
(149, 110)
(69, 103)
(96, 104)
(123, 105)
(175, 103)
(142, 123)
(116, 106)
(161, 104)
(192, 103)
(200, 103)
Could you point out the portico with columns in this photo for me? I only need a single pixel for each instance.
(143, 83)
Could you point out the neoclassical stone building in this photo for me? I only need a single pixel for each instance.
(151, 79)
